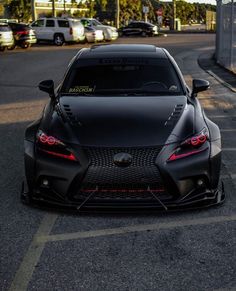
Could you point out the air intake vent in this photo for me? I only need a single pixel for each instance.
(67, 110)
(174, 117)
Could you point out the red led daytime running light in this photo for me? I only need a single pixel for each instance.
(174, 157)
(70, 157)
(123, 190)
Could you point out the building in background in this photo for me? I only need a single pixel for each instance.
(226, 34)
(62, 8)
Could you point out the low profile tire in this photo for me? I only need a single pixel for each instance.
(59, 39)
(2, 48)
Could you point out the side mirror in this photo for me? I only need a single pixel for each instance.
(199, 85)
(47, 86)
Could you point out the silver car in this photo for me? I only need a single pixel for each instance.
(93, 35)
(110, 32)
(6, 37)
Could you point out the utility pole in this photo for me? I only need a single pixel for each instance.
(33, 10)
(174, 15)
(117, 13)
(53, 9)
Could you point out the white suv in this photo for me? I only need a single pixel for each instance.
(59, 30)
(110, 32)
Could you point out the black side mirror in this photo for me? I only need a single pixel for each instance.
(47, 86)
(199, 85)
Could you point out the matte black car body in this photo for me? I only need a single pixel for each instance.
(125, 151)
(24, 35)
(139, 28)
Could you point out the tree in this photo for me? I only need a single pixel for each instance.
(20, 9)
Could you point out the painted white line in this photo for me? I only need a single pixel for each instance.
(228, 130)
(41, 239)
(226, 289)
(229, 149)
(26, 269)
(225, 176)
(221, 116)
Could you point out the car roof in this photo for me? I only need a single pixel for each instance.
(122, 50)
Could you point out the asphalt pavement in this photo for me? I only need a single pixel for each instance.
(47, 250)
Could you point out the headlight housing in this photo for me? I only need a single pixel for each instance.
(191, 146)
(52, 146)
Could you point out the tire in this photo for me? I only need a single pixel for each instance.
(25, 45)
(2, 48)
(10, 48)
(143, 33)
(58, 39)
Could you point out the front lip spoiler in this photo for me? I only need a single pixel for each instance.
(202, 200)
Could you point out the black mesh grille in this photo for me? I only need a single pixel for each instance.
(103, 171)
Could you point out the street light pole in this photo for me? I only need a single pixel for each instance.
(117, 13)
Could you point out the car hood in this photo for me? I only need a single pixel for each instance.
(124, 121)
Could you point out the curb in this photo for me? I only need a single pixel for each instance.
(210, 63)
(227, 85)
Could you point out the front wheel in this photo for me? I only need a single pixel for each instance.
(2, 48)
(59, 39)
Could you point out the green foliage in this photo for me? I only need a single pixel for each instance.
(187, 12)
(105, 10)
(132, 10)
(20, 9)
(128, 10)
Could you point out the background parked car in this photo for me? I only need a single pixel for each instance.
(110, 32)
(6, 36)
(139, 28)
(59, 30)
(93, 35)
(24, 35)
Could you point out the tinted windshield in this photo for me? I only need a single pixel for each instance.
(123, 76)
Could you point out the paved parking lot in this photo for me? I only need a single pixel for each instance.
(47, 250)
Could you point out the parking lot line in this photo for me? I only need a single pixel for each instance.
(228, 149)
(41, 239)
(228, 130)
(221, 116)
(26, 269)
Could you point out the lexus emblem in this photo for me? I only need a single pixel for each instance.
(122, 159)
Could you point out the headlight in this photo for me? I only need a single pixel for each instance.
(191, 146)
(52, 146)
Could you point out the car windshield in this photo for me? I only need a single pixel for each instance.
(4, 28)
(123, 77)
(96, 22)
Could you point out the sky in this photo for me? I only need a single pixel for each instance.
(203, 1)
(199, 1)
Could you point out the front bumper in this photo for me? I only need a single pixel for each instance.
(195, 200)
(174, 185)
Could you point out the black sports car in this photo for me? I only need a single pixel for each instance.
(123, 130)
